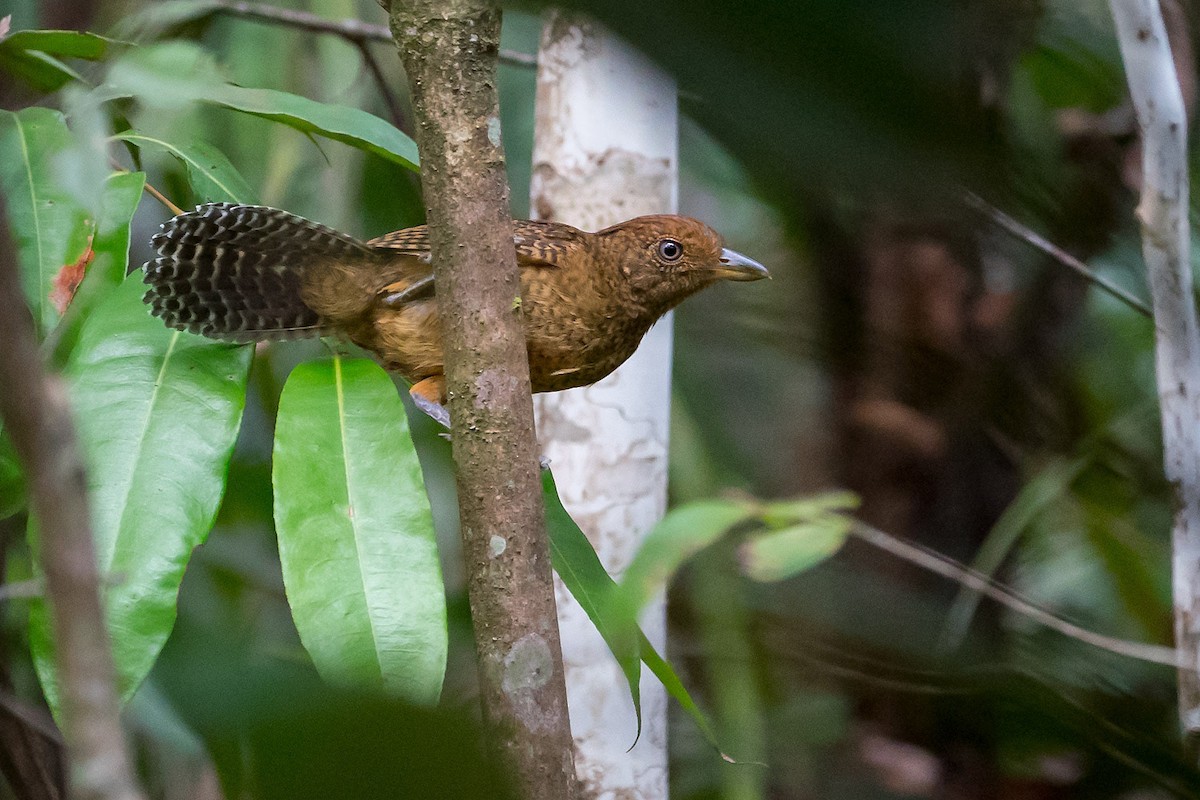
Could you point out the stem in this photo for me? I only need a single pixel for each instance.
(1166, 247)
(974, 580)
(1057, 253)
(37, 417)
(385, 91)
(352, 30)
(449, 52)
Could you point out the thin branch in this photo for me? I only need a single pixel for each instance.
(150, 190)
(1166, 247)
(352, 30)
(37, 416)
(947, 567)
(162, 198)
(36, 719)
(22, 590)
(381, 83)
(1057, 253)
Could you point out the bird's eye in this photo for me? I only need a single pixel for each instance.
(670, 250)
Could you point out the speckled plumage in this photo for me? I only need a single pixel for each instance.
(246, 273)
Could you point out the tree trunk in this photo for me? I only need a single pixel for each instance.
(608, 442)
(449, 50)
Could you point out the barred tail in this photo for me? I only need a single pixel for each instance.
(234, 272)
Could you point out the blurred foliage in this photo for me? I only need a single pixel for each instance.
(814, 131)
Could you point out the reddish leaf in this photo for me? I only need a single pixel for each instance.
(69, 277)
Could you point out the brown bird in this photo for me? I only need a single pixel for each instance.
(247, 273)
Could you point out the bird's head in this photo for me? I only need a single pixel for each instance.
(664, 258)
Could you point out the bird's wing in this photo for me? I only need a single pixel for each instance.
(538, 244)
(546, 244)
(410, 240)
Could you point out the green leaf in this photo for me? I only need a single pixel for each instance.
(662, 669)
(781, 554)
(589, 583)
(174, 73)
(212, 176)
(110, 261)
(683, 533)
(33, 56)
(351, 126)
(72, 44)
(576, 562)
(1067, 74)
(50, 228)
(160, 18)
(12, 479)
(355, 530)
(785, 513)
(43, 72)
(157, 413)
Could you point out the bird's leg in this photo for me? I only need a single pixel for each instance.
(427, 394)
(397, 294)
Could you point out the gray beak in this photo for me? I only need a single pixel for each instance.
(736, 267)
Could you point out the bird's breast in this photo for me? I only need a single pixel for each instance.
(574, 341)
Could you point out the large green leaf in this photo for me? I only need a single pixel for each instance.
(355, 531)
(351, 126)
(33, 56)
(577, 564)
(157, 413)
(213, 177)
(51, 229)
(174, 73)
(110, 257)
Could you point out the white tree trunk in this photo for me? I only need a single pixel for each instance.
(1166, 246)
(604, 150)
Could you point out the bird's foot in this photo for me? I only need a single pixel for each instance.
(434, 409)
(426, 395)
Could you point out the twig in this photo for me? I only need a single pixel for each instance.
(162, 198)
(34, 718)
(1054, 251)
(381, 83)
(22, 590)
(1166, 247)
(37, 417)
(353, 30)
(150, 190)
(949, 568)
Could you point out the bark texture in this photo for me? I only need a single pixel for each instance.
(608, 442)
(1166, 246)
(37, 417)
(449, 49)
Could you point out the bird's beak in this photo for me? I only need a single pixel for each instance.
(736, 267)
